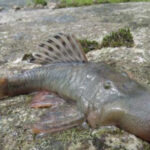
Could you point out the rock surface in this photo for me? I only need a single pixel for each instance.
(7, 4)
(21, 31)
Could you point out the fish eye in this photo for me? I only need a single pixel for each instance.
(107, 85)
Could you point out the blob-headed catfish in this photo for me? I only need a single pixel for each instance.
(101, 95)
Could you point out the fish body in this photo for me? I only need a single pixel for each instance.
(102, 95)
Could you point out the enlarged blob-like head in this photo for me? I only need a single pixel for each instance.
(122, 102)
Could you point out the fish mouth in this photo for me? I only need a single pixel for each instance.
(131, 114)
(137, 120)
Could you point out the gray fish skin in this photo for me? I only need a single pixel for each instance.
(105, 96)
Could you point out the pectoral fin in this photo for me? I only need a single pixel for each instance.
(58, 119)
(45, 99)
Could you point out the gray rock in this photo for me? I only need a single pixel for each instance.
(16, 7)
(134, 61)
(51, 5)
(21, 31)
(39, 6)
(1, 9)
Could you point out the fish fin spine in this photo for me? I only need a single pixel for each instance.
(59, 48)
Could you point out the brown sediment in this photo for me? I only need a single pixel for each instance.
(3, 88)
(37, 130)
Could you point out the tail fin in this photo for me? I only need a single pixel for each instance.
(3, 88)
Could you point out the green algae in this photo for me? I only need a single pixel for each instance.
(88, 45)
(122, 37)
(36, 2)
(27, 57)
(77, 3)
(74, 135)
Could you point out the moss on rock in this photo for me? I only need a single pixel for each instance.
(42, 2)
(122, 37)
(89, 45)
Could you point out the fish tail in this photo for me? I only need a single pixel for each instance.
(3, 88)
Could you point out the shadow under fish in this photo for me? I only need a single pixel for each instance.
(101, 96)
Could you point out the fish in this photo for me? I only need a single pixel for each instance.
(93, 92)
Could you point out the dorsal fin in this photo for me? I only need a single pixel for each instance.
(59, 48)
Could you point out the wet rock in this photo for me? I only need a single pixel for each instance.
(109, 138)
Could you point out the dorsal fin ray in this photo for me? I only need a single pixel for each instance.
(59, 48)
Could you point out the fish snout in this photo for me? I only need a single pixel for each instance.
(131, 114)
(137, 118)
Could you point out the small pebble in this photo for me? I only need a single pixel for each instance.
(1, 9)
(15, 7)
